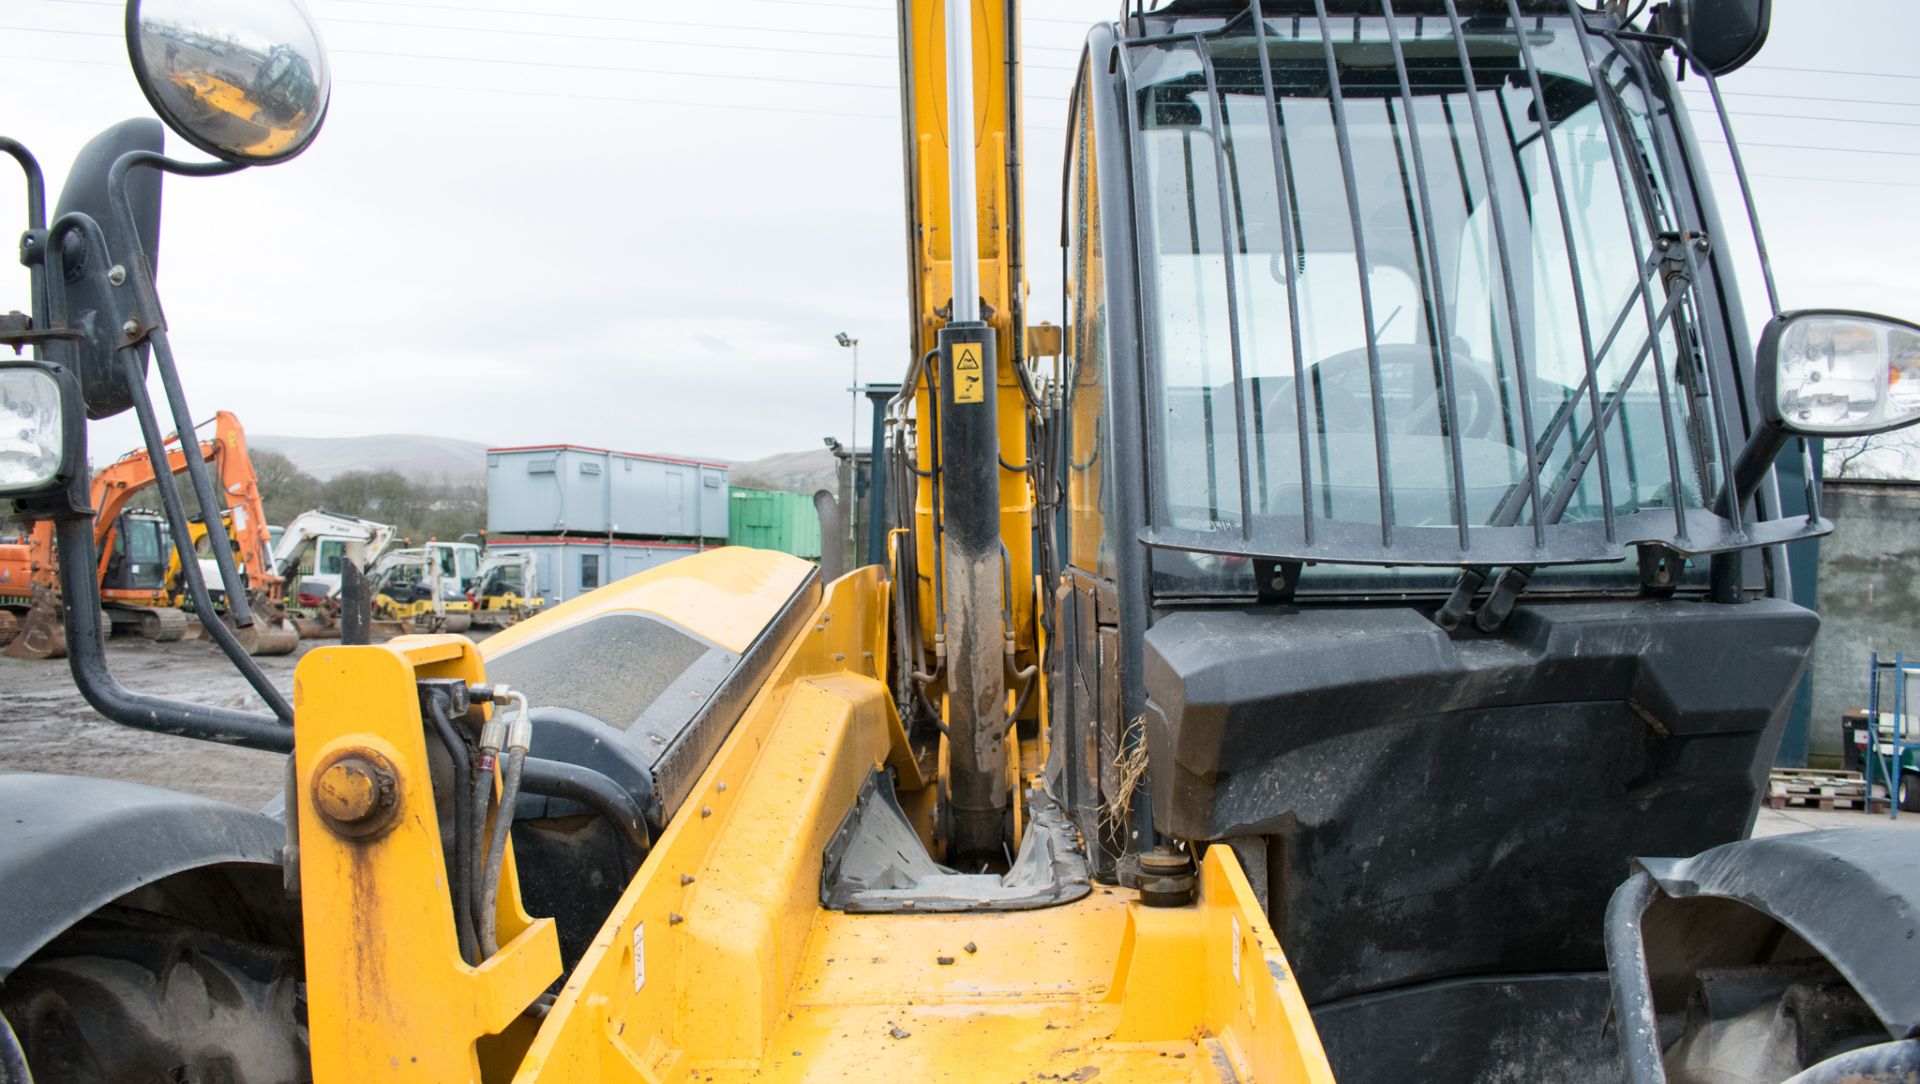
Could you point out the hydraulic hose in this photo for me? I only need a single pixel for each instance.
(558, 779)
(519, 737)
(463, 827)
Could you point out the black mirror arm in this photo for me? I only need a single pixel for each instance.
(152, 328)
(163, 479)
(183, 538)
(36, 225)
(1750, 469)
(87, 658)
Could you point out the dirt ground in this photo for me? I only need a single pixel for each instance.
(46, 727)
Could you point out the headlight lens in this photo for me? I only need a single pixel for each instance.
(32, 428)
(1842, 374)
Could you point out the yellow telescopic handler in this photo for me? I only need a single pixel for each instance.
(1352, 647)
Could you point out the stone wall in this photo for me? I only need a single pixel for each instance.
(1869, 597)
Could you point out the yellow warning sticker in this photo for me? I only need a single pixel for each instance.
(969, 385)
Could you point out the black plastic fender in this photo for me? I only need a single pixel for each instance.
(70, 844)
(1851, 893)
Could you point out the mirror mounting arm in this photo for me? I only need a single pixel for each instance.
(33, 242)
(149, 324)
(88, 661)
(83, 589)
(139, 275)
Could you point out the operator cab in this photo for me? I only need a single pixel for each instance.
(140, 553)
(1453, 585)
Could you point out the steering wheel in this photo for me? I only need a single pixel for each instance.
(1347, 397)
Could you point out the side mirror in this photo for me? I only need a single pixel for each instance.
(247, 83)
(1833, 373)
(1722, 35)
(94, 306)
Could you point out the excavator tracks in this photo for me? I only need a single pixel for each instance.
(161, 624)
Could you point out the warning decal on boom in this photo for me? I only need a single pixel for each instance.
(967, 384)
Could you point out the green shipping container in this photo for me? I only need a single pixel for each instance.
(768, 520)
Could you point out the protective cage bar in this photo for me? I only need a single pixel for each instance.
(1441, 80)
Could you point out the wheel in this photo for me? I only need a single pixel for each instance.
(1909, 796)
(140, 998)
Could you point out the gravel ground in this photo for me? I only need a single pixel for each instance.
(46, 727)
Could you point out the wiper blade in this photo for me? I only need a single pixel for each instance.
(1560, 497)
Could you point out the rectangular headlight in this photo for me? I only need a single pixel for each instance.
(1840, 373)
(33, 428)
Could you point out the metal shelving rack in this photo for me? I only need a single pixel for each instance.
(1891, 753)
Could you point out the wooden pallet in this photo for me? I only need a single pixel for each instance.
(1804, 788)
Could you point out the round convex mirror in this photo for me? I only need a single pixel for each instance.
(243, 80)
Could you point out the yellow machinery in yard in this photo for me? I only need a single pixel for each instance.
(1354, 649)
(506, 590)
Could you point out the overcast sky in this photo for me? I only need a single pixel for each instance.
(639, 225)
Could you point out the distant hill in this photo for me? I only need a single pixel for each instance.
(418, 457)
(794, 472)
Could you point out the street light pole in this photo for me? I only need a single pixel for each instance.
(853, 410)
(853, 449)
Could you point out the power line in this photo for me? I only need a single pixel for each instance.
(568, 66)
(1826, 120)
(621, 98)
(640, 41)
(604, 38)
(1831, 71)
(1803, 147)
(647, 21)
(1702, 93)
(389, 4)
(1820, 180)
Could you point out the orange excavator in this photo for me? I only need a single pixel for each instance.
(134, 557)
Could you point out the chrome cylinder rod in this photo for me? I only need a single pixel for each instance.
(960, 179)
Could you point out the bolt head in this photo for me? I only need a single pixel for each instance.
(117, 274)
(357, 794)
(131, 327)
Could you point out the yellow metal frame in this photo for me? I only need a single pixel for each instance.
(718, 962)
(388, 996)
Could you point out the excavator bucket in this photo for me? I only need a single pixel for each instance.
(321, 623)
(272, 632)
(269, 637)
(42, 634)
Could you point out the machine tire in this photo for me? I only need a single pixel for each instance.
(1908, 792)
(1811, 1015)
(142, 998)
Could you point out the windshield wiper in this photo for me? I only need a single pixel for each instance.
(1493, 613)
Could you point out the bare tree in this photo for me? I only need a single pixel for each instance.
(1881, 455)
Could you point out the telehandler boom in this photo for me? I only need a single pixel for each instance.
(1353, 650)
